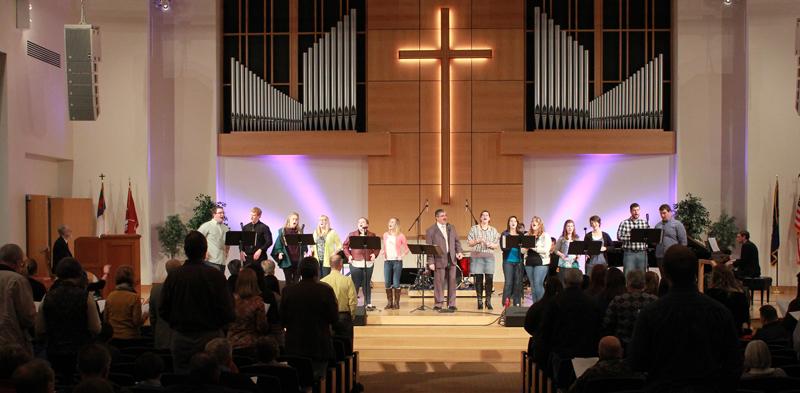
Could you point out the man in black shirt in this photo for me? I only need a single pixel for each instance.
(747, 265)
(258, 251)
(195, 302)
(61, 247)
(686, 341)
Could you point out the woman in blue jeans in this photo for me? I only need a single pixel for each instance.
(537, 260)
(361, 262)
(512, 264)
(395, 247)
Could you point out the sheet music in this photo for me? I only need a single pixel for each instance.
(582, 364)
(713, 243)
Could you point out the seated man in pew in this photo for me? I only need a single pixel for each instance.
(610, 365)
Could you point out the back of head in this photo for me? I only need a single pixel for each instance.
(124, 275)
(172, 266)
(680, 266)
(35, 376)
(609, 348)
(31, 267)
(94, 385)
(635, 280)
(768, 313)
(267, 349)
(11, 357)
(220, 350)
(722, 277)
(598, 276)
(757, 355)
(94, 361)
(651, 282)
(615, 283)
(573, 278)
(195, 246)
(552, 286)
(247, 284)
(269, 267)
(234, 266)
(11, 254)
(203, 369)
(69, 268)
(309, 268)
(336, 262)
(149, 366)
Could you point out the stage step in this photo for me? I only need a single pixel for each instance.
(439, 367)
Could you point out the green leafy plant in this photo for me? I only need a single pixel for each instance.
(171, 234)
(694, 216)
(202, 210)
(724, 230)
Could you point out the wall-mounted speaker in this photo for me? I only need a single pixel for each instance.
(82, 55)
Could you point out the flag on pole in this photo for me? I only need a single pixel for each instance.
(101, 211)
(131, 219)
(776, 240)
(797, 226)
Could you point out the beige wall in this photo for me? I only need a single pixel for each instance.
(773, 127)
(33, 117)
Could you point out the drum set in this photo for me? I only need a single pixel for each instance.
(424, 279)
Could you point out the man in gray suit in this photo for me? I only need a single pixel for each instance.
(444, 235)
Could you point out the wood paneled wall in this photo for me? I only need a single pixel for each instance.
(487, 98)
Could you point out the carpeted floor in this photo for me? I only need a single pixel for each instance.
(446, 381)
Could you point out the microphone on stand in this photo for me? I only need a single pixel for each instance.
(426, 205)
(584, 231)
(241, 225)
(466, 204)
(647, 218)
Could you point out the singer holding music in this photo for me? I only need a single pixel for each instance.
(326, 243)
(288, 257)
(634, 254)
(537, 259)
(565, 259)
(444, 235)
(256, 252)
(597, 235)
(361, 262)
(484, 240)
(512, 263)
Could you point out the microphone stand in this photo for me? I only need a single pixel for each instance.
(420, 282)
(469, 209)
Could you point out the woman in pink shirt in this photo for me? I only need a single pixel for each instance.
(395, 247)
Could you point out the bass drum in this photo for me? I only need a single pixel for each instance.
(463, 265)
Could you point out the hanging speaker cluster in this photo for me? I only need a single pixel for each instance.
(82, 55)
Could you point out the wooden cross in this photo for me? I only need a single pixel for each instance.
(445, 53)
(102, 177)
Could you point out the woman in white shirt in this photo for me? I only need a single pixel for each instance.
(537, 259)
(395, 247)
(484, 240)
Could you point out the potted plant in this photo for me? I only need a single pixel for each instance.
(202, 211)
(171, 234)
(724, 230)
(694, 216)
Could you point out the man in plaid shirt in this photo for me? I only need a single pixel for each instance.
(634, 254)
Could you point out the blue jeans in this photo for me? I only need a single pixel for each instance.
(391, 273)
(634, 260)
(512, 288)
(536, 276)
(362, 277)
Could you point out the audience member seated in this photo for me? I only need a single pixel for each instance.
(772, 330)
(222, 352)
(758, 362)
(162, 333)
(94, 385)
(35, 376)
(11, 357)
(251, 316)
(651, 283)
(570, 329)
(234, 266)
(17, 311)
(726, 289)
(267, 295)
(747, 265)
(685, 341)
(620, 316)
(267, 352)
(308, 310)
(94, 361)
(535, 314)
(269, 275)
(789, 322)
(597, 280)
(37, 288)
(68, 318)
(610, 365)
(124, 306)
(204, 374)
(615, 286)
(149, 368)
(196, 303)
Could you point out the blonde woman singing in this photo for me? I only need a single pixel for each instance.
(326, 243)
(395, 247)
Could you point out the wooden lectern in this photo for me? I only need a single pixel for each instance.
(115, 250)
(701, 271)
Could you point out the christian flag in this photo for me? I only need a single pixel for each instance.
(131, 219)
(776, 240)
(101, 212)
(797, 226)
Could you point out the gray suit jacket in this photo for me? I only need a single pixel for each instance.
(434, 236)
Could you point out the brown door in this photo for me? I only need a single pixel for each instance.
(37, 218)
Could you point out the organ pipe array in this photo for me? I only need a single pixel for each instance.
(329, 89)
(561, 86)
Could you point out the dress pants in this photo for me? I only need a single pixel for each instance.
(185, 345)
(440, 277)
(344, 326)
(362, 278)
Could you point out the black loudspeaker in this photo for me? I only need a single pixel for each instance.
(82, 47)
(361, 317)
(515, 316)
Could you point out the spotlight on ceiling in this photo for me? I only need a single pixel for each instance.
(727, 3)
(163, 5)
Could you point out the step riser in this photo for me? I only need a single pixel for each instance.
(437, 342)
(439, 355)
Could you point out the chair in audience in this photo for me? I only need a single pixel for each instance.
(288, 376)
(268, 384)
(780, 361)
(171, 379)
(609, 385)
(792, 370)
(305, 370)
(785, 352)
(770, 384)
(146, 342)
(122, 379)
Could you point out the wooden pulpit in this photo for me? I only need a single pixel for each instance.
(116, 250)
(701, 271)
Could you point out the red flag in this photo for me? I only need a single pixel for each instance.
(797, 226)
(131, 219)
(101, 211)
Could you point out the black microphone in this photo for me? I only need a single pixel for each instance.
(426, 205)
(647, 217)
(584, 231)
(302, 227)
(241, 225)
(466, 204)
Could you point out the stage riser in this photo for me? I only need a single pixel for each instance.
(420, 367)
(439, 354)
(461, 293)
(433, 342)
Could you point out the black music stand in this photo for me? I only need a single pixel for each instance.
(585, 247)
(420, 250)
(365, 243)
(521, 241)
(649, 236)
(299, 239)
(237, 238)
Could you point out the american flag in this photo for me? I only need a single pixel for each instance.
(797, 226)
